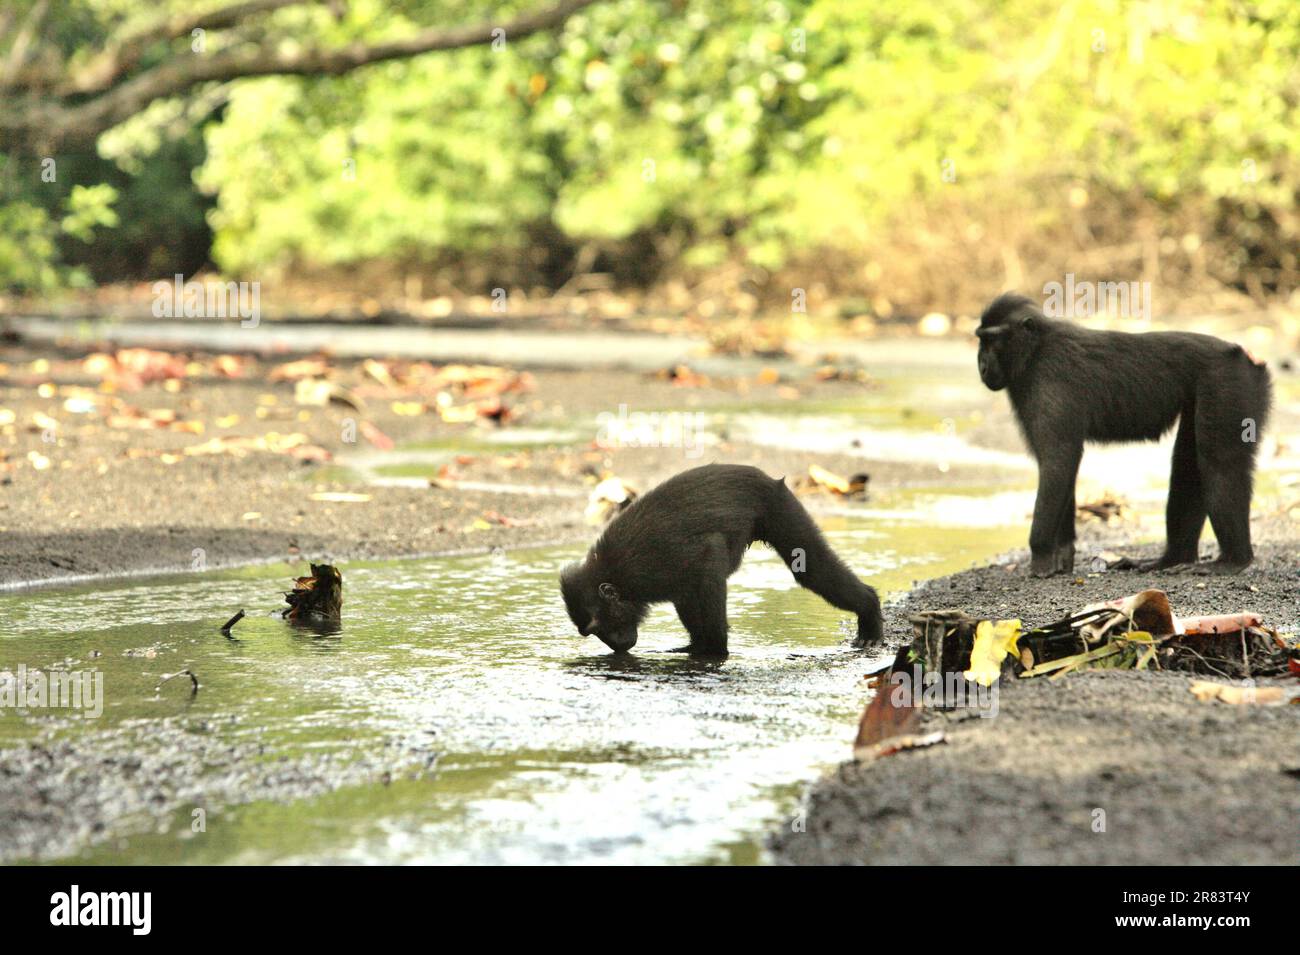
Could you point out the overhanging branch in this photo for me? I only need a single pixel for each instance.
(38, 123)
(124, 55)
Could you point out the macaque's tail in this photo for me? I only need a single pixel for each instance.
(793, 534)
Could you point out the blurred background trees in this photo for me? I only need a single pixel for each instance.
(902, 155)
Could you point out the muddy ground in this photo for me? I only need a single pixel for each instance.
(104, 497)
(1180, 782)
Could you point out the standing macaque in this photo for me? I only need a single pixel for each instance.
(1069, 385)
(680, 542)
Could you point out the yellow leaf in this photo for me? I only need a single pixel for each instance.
(834, 482)
(993, 641)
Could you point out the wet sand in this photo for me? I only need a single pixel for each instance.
(108, 503)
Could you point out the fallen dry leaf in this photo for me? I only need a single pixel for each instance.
(376, 437)
(295, 445)
(319, 392)
(379, 372)
(302, 368)
(312, 391)
(149, 365)
(836, 373)
(496, 517)
(683, 376)
(890, 726)
(820, 477)
(311, 452)
(228, 366)
(1107, 509)
(43, 422)
(1208, 691)
(607, 498)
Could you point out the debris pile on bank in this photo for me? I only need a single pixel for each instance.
(1135, 632)
(954, 659)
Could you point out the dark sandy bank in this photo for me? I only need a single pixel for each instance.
(1179, 782)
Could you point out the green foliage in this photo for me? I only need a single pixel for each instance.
(708, 122)
(37, 214)
(639, 117)
(89, 207)
(96, 221)
(760, 128)
(27, 247)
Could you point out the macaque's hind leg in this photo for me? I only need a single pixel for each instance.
(794, 535)
(1227, 496)
(1225, 458)
(1185, 508)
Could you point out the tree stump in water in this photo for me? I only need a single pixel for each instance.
(316, 601)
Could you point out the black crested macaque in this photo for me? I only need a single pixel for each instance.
(681, 541)
(1069, 385)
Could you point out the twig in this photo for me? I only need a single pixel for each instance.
(232, 621)
(1069, 624)
(194, 681)
(1206, 663)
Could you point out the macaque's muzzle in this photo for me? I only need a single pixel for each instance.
(991, 374)
(620, 641)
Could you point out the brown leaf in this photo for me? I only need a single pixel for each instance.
(889, 725)
(297, 370)
(376, 437)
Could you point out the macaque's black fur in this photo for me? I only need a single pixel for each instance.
(680, 543)
(1069, 385)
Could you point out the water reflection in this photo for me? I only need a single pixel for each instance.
(669, 666)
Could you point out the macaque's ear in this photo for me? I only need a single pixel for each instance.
(608, 591)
